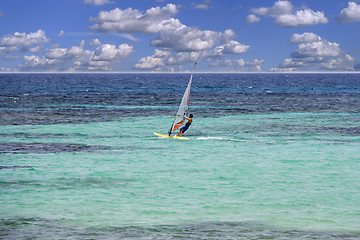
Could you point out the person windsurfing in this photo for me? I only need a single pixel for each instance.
(186, 127)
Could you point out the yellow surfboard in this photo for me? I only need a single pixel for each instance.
(161, 135)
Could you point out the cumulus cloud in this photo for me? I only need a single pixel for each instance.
(71, 53)
(11, 43)
(304, 38)
(201, 6)
(201, 45)
(97, 2)
(282, 69)
(38, 62)
(343, 62)
(238, 65)
(130, 20)
(161, 58)
(278, 9)
(252, 19)
(285, 16)
(188, 39)
(108, 52)
(5, 50)
(24, 39)
(234, 47)
(321, 48)
(214, 57)
(350, 14)
(176, 43)
(95, 42)
(313, 50)
(79, 58)
(61, 33)
(301, 18)
(172, 33)
(154, 61)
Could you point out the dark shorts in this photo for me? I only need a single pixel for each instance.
(184, 128)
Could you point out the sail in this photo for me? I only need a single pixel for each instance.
(184, 105)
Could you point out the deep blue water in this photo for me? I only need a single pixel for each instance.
(100, 97)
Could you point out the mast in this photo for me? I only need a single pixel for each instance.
(183, 108)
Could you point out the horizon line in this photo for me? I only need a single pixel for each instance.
(185, 72)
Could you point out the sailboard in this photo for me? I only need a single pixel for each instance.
(182, 111)
(167, 136)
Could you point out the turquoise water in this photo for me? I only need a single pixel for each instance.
(275, 175)
(279, 170)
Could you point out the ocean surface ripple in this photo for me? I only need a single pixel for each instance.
(270, 156)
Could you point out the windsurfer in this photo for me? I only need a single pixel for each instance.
(187, 125)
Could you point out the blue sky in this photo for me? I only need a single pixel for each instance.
(168, 36)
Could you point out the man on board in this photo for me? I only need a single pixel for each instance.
(187, 125)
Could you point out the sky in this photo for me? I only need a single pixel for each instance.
(169, 36)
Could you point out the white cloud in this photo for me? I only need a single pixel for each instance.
(188, 39)
(24, 39)
(254, 62)
(252, 19)
(161, 58)
(93, 66)
(284, 15)
(222, 62)
(314, 51)
(97, 2)
(107, 52)
(38, 62)
(201, 6)
(234, 47)
(36, 49)
(350, 14)
(317, 49)
(5, 50)
(61, 33)
(102, 59)
(176, 43)
(95, 42)
(301, 18)
(279, 8)
(11, 43)
(304, 38)
(344, 62)
(154, 20)
(172, 33)
(165, 58)
(149, 63)
(291, 63)
(71, 53)
(281, 69)
(240, 65)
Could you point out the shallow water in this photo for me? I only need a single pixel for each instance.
(277, 160)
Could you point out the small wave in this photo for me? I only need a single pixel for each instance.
(211, 138)
(222, 139)
(15, 167)
(234, 139)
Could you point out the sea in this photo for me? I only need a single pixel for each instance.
(270, 156)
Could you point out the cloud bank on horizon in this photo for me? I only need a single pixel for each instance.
(157, 39)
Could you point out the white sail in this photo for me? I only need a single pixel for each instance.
(183, 108)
